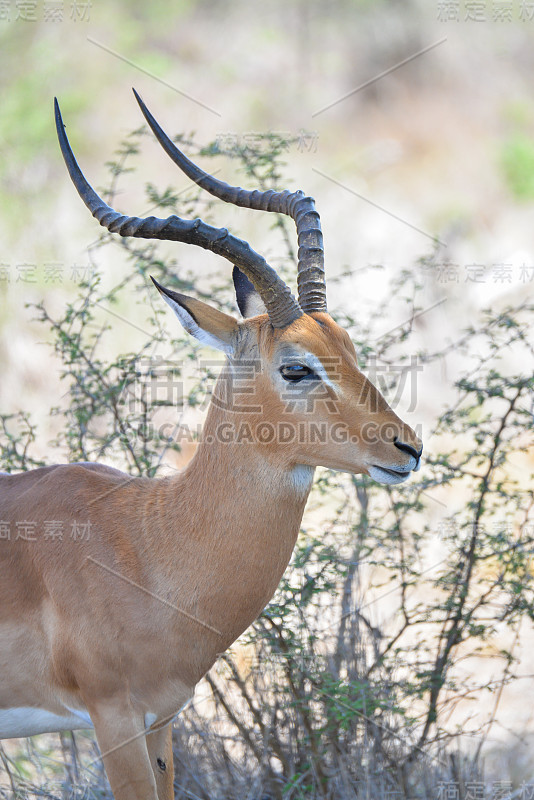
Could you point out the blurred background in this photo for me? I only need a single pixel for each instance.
(411, 123)
(413, 120)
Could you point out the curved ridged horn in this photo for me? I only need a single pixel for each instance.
(281, 306)
(311, 275)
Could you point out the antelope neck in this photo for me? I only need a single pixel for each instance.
(243, 515)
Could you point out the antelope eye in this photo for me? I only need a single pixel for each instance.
(296, 372)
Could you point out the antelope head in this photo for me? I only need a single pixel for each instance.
(292, 386)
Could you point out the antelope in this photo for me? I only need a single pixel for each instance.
(114, 630)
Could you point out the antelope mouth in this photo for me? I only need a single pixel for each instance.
(388, 475)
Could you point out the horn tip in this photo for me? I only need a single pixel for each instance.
(156, 284)
(57, 110)
(140, 102)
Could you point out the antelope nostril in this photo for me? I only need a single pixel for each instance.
(407, 448)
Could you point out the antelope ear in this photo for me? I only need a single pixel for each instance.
(249, 302)
(207, 324)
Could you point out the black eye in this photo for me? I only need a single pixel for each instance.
(296, 372)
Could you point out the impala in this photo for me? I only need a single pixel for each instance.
(113, 631)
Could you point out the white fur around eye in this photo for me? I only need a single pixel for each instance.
(315, 364)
